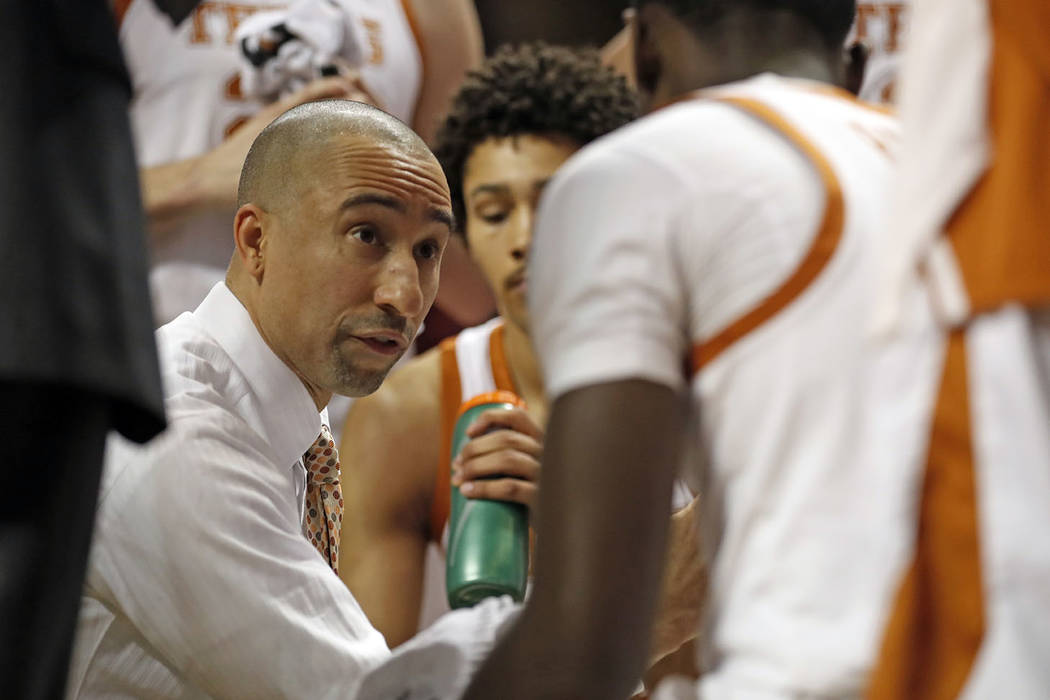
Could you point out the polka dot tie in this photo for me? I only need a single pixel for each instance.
(324, 500)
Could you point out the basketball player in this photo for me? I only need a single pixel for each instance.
(511, 126)
(733, 232)
(970, 212)
(193, 126)
(871, 51)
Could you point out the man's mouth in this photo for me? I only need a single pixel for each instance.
(517, 282)
(383, 342)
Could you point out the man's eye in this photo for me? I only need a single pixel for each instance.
(494, 217)
(428, 251)
(366, 235)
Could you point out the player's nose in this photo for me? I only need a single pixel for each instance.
(398, 288)
(521, 235)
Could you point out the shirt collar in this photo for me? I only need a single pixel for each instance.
(290, 417)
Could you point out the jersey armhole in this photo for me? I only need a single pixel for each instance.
(813, 262)
(417, 36)
(498, 360)
(450, 401)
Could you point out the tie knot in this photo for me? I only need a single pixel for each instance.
(322, 459)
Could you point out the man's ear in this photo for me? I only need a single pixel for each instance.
(250, 238)
(856, 63)
(648, 63)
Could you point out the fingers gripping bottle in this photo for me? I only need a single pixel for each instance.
(488, 541)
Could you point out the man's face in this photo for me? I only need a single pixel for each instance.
(502, 182)
(351, 265)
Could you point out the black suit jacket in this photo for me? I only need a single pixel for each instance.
(74, 302)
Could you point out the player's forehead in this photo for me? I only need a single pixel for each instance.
(517, 160)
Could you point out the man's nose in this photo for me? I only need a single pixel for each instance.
(522, 234)
(399, 289)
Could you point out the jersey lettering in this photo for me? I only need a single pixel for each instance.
(892, 14)
(375, 42)
(232, 13)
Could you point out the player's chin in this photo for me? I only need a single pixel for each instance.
(356, 376)
(518, 311)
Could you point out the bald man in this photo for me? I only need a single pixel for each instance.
(212, 572)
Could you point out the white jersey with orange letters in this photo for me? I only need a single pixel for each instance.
(734, 233)
(970, 220)
(187, 99)
(883, 26)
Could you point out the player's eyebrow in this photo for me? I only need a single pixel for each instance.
(540, 184)
(490, 188)
(499, 188)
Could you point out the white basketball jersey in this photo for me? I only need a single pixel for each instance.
(187, 99)
(474, 360)
(738, 229)
(883, 26)
(812, 431)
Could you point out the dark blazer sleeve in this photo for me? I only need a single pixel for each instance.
(74, 302)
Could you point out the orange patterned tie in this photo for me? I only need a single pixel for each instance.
(324, 501)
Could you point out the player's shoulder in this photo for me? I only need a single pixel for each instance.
(690, 138)
(410, 397)
(391, 442)
(664, 158)
(807, 106)
(658, 138)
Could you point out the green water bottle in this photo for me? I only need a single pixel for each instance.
(488, 541)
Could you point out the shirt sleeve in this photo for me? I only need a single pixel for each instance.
(202, 550)
(606, 299)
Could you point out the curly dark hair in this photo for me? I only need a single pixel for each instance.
(535, 89)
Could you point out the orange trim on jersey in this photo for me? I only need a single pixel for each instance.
(840, 93)
(937, 622)
(451, 392)
(809, 86)
(498, 358)
(120, 8)
(813, 262)
(505, 387)
(999, 233)
(452, 405)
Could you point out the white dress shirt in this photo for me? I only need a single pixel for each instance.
(201, 583)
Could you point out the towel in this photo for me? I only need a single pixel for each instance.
(943, 91)
(439, 662)
(283, 50)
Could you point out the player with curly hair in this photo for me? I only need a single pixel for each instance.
(535, 89)
(513, 123)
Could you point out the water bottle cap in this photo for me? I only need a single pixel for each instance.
(491, 397)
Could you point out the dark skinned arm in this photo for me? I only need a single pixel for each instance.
(609, 464)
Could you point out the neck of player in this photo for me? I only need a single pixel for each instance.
(688, 61)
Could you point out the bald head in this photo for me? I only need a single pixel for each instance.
(283, 156)
(344, 213)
